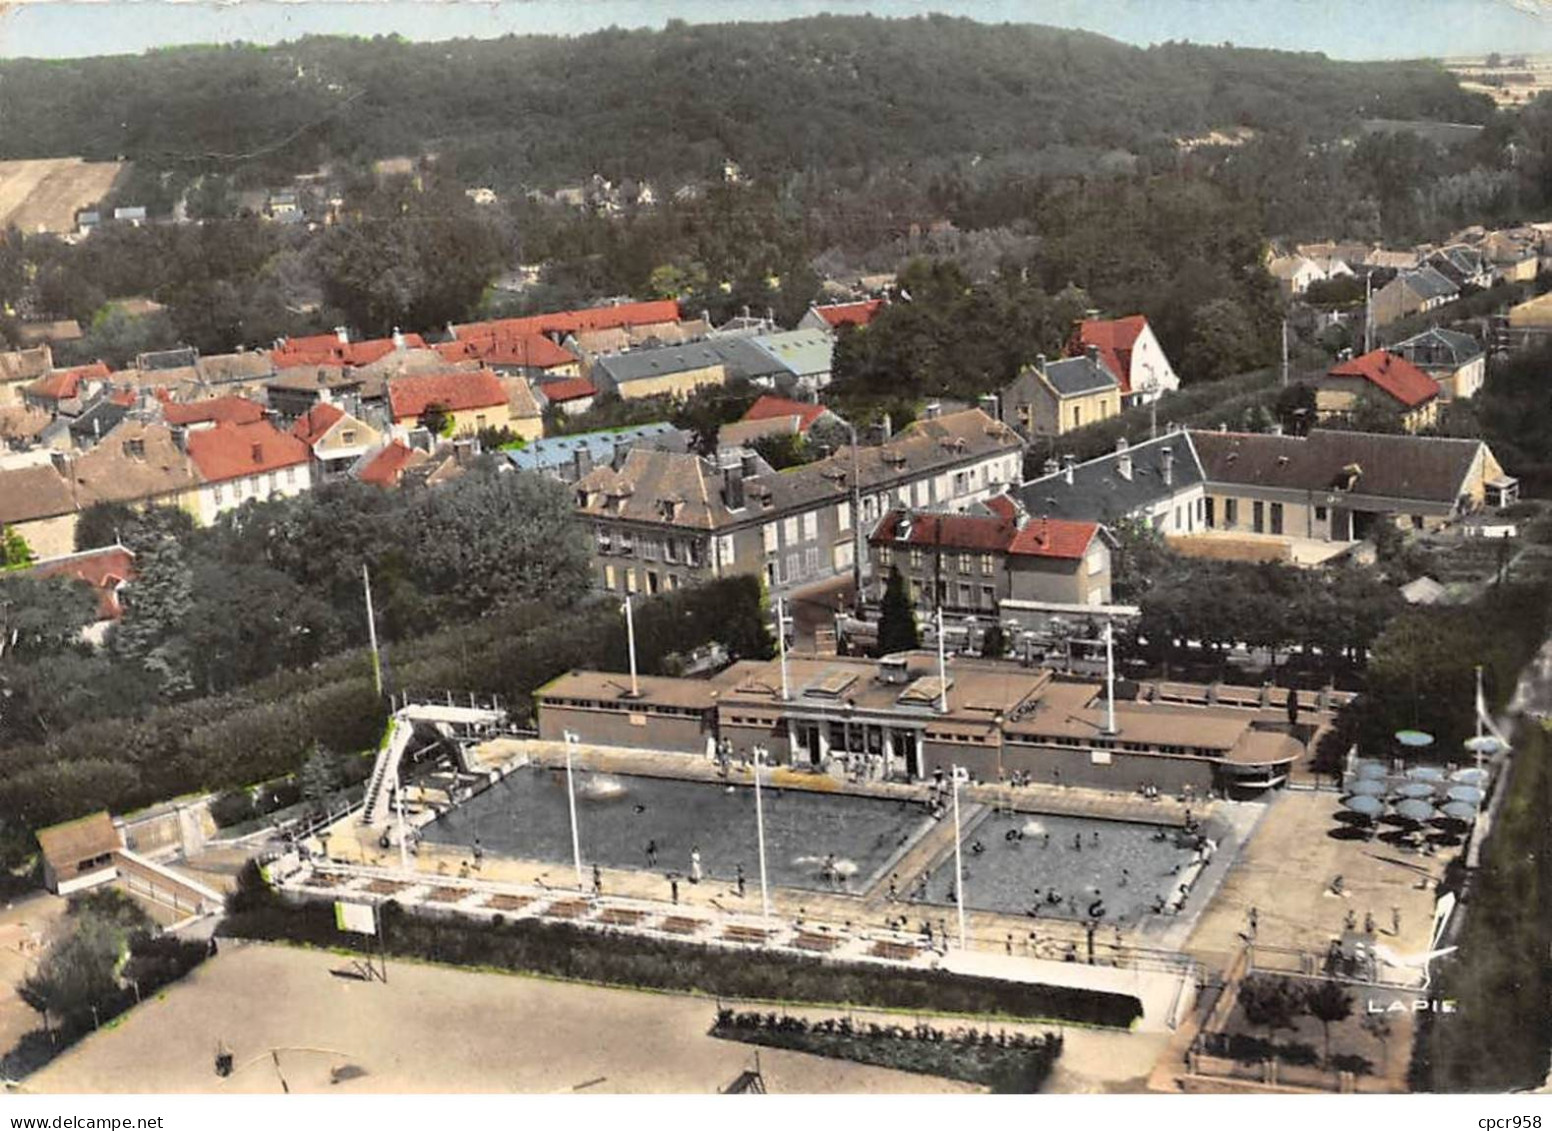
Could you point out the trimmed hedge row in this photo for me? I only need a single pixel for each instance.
(1016, 1064)
(563, 950)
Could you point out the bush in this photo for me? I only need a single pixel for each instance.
(563, 950)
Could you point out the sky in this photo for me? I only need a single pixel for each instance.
(1346, 29)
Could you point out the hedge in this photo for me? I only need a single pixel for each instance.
(564, 950)
(1003, 1063)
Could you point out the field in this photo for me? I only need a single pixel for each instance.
(45, 195)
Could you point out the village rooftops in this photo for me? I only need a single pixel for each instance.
(1079, 376)
(802, 352)
(33, 492)
(236, 451)
(1113, 338)
(769, 407)
(85, 838)
(1392, 374)
(65, 384)
(454, 391)
(644, 364)
(596, 447)
(986, 533)
(1116, 484)
(1435, 347)
(215, 410)
(571, 321)
(137, 460)
(1428, 469)
(387, 466)
(526, 351)
(336, 349)
(838, 314)
(1428, 283)
(104, 569)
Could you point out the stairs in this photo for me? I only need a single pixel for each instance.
(374, 813)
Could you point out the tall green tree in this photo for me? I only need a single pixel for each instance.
(897, 631)
(156, 608)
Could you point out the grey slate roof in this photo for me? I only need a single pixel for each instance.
(558, 451)
(1439, 349)
(1076, 376)
(803, 353)
(619, 369)
(1100, 493)
(1429, 283)
(742, 358)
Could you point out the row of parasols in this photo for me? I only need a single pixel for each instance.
(1426, 793)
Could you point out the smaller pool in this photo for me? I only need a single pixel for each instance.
(1064, 867)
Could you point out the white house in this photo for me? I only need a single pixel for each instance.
(1129, 349)
(238, 462)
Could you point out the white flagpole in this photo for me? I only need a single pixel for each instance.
(371, 630)
(959, 868)
(630, 637)
(571, 801)
(759, 822)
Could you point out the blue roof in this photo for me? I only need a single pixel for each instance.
(558, 451)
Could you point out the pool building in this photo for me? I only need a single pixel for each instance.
(897, 718)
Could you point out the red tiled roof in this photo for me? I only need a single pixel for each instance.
(1039, 537)
(573, 321)
(1003, 506)
(232, 451)
(840, 314)
(104, 570)
(327, 349)
(385, 468)
(769, 407)
(1392, 374)
(309, 428)
(1114, 339)
(216, 410)
(534, 351)
(571, 389)
(124, 398)
(455, 390)
(62, 384)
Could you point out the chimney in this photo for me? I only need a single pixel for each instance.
(1051, 467)
(1043, 531)
(748, 465)
(342, 334)
(1069, 462)
(733, 487)
(1092, 353)
(398, 339)
(1040, 362)
(988, 403)
(582, 461)
(258, 453)
(1091, 314)
(1123, 459)
(1167, 457)
(932, 410)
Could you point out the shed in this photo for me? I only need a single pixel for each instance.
(79, 854)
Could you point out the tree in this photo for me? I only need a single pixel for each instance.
(1224, 342)
(14, 551)
(1267, 1003)
(150, 633)
(995, 643)
(435, 418)
(79, 972)
(897, 631)
(102, 524)
(1328, 1002)
(1377, 1025)
(319, 777)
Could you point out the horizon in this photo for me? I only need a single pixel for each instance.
(1383, 30)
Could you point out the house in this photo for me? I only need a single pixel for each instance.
(1462, 265)
(387, 466)
(105, 570)
(570, 458)
(1456, 361)
(1335, 486)
(1411, 292)
(1387, 378)
(38, 503)
(337, 439)
(139, 463)
(468, 400)
(572, 395)
(745, 361)
(910, 716)
(246, 370)
(338, 349)
(524, 355)
(97, 419)
(562, 322)
(675, 371)
(1050, 398)
(23, 426)
(832, 316)
(807, 355)
(1294, 273)
(19, 368)
(663, 519)
(1128, 348)
(291, 392)
(592, 343)
(524, 419)
(132, 214)
(48, 333)
(776, 416)
(1513, 258)
(79, 854)
(1156, 483)
(58, 385)
(972, 563)
(208, 413)
(238, 462)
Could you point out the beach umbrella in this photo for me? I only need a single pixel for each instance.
(1470, 794)
(1414, 738)
(1470, 776)
(1460, 811)
(1367, 787)
(1414, 810)
(1425, 773)
(1484, 744)
(1365, 805)
(1415, 789)
(1372, 770)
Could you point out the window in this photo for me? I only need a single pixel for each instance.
(1258, 516)
(1212, 517)
(1230, 512)
(670, 550)
(630, 581)
(219, 491)
(768, 532)
(348, 436)
(1077, 416)
(604, 539)
(916, 557)
(965, 597)
(961, 482)
(725, 553)
(965, 563)
(921, 494)
(792, 567)
(844, 557)
(1320, 514)
(609, 578)
(290, 477)
(649, 549)
(811, 560)
(652, 582)
(987, 565)
(1096, 560)
(1277, 518)
(1177, 518)
(479, 421)
(843, 515)
(886, 556)
(988, 597)
(789, 533)
(810, 526)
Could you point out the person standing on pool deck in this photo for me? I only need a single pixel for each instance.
(1077, 841)
(673, 889)
(598, 881)
(652, 853)
(695, 864)
(740, 881)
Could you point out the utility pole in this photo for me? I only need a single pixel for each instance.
(1368, 316)
(759, 824)
(630, 640)
(1285, 351)
(571, 801)
(371, 631)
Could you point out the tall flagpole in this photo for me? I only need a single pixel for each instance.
(630, 638)
(371, 630)
(759, 824)
(571, 802)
